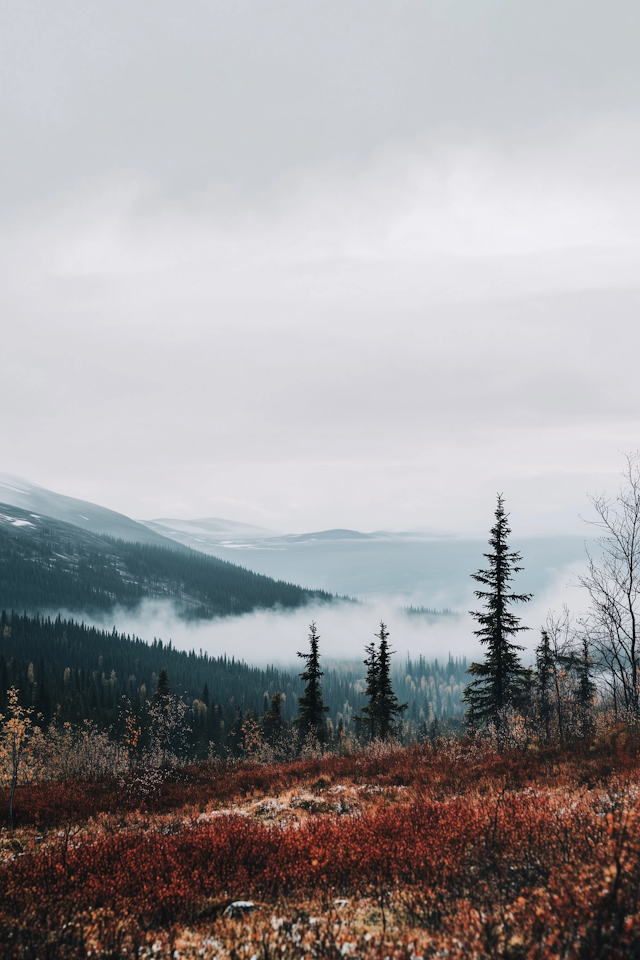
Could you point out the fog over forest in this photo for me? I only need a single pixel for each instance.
(274, 637)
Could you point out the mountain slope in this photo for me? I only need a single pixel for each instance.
(46, 564)
(89, 516)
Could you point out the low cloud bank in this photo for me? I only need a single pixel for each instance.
(275, 636)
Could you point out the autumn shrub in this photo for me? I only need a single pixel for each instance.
(523, 853)
(433, 770)
(562, 872)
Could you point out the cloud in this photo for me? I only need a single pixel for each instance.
(242, 98)
(274, 637)
(341, 265)
(349, 358)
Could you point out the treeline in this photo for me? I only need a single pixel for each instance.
(48, 564)
(70, 672)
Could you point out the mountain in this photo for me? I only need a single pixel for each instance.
(49, 565)
(89, 516)
(208, 535)
(199, 533)
(418, 567)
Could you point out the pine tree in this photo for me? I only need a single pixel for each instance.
(163, 690)
(503, 683)
(273, 726)
(236, 735)
(311, 708)
(388, 710)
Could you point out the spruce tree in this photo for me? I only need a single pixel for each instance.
(273, 726)
(382, 707)
(388, 708)
(585, 689)
(163, 690)
(311, 708)
(236, 734)
(545, 678)
(502, 682)
(368, 717)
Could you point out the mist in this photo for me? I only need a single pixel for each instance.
(275, 636)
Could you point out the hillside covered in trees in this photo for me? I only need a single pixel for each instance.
(72, 672)
(48, 565)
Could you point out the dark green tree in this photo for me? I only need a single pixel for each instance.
(368, 716)
(502, 682)
(311, 708)
(236, 734)
(581, 665)
(545, 680)
(388, 709)
(273, 726)
(163, 690)
(382, 709)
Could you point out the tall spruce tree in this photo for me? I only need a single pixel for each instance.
(311, 708)
(502, 682)
(582, 666)
(273, 726)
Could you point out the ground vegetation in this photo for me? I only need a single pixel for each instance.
(449, 848)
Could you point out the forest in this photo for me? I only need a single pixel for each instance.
(69, 672)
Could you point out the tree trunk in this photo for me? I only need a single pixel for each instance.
(14, 784)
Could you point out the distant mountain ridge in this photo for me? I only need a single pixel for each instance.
(208, 535)
(421, 567)
(209, 528)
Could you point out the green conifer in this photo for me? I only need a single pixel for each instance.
(545, 676)
(311, 708)
(382, 709)
(368, 716)
(273, 726)
(582, 666)
(388, 708)
(502, 682)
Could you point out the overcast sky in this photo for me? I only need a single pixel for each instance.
(321, 264)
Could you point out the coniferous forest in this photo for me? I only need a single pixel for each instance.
(46, 564)
(70, 672)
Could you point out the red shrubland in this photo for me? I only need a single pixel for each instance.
(523, 854)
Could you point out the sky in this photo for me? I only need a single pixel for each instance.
(333, 264)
